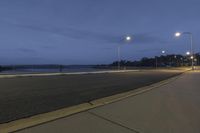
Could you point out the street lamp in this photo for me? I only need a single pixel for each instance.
(125, 39)
(188, 53)
(128, 38)
(178, 34)
(163, 52)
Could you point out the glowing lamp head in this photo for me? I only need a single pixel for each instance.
(177, 34)
(192, 57)
(128, 38)
(163, 52)
(187, 53)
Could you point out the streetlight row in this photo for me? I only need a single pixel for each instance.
(177, 34)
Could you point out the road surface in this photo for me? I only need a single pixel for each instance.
(27, 96)
(171, 108)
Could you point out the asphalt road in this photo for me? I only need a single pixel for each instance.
(171, 108)
(26, 96)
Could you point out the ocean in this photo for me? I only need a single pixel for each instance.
(70, 69)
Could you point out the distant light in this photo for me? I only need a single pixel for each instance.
(187, 53)
(175, 56)
(192, 57)
(128, 38)
(163, 52)
(177, 34)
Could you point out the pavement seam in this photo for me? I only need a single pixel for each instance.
(113, 122)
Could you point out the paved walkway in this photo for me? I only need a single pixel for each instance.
(172, 108)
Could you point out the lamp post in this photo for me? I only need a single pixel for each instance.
(163, 52)
(126, 39)
(178, 34)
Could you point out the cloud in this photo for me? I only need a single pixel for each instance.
(148, 38)
(93, 36)
(27, 50)
(70, 32)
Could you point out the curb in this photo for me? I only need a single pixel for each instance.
(54, 115)
(122, 96)
(42, 118)
(62, 74)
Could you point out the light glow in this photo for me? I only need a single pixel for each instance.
(163, 52)
(177, 34)
(187, 53)
(128, 38)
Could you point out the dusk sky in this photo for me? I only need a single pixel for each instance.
(89, 31)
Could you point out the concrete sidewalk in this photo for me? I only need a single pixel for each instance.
(172, 108)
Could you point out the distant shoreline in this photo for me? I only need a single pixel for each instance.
(11, 69)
